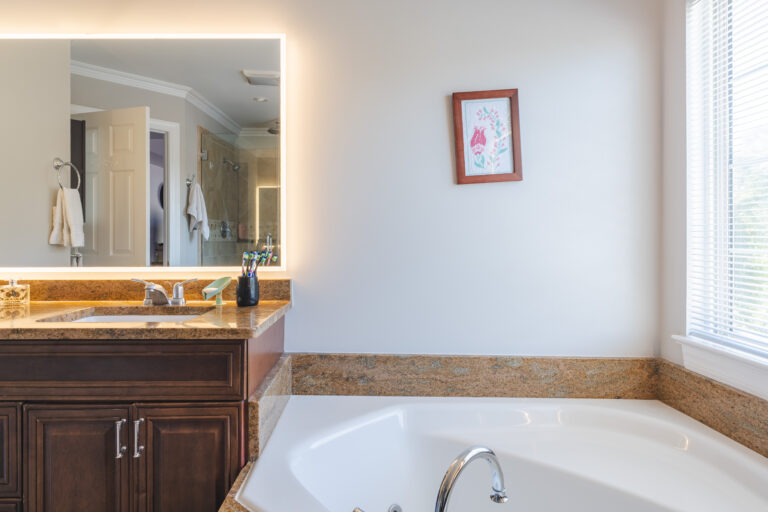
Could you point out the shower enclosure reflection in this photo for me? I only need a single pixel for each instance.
(232, 174)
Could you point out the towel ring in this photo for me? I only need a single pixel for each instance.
(58, 163)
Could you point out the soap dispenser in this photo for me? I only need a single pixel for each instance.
(14, 294)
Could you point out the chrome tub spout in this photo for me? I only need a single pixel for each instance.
(499, 494)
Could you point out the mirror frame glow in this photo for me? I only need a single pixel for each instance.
(167, 272)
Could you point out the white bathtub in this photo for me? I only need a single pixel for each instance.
(337, 453)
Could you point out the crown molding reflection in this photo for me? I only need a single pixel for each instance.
(154, 85)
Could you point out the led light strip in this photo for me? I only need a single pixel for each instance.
(170, 272)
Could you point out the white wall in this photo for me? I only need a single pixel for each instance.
(673, 265)
(564, 263)
(34, 102)
(387, 254)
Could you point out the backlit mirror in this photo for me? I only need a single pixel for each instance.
(140, 152)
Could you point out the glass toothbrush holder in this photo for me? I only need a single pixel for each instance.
(14, 294)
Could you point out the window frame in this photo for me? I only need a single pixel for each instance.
(735, 360)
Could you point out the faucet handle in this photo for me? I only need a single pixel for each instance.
(145, 283)
(178, 292)
(178, 288)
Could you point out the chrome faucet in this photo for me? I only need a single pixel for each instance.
(499, 494)
(154, 294)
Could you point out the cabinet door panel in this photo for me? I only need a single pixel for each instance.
(71, 463)
(10, 506)
(190, 459)
(10, 446)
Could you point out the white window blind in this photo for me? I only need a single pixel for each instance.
(727, 84)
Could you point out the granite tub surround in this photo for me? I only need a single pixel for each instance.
(736, 414)
(473, 376)
(264, 409)
(733, 413)
(127, 290)
(230, 504)
(52, 321)
(266, 405)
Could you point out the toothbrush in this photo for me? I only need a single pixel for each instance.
(254, 264)
(248, 265)
(245, 261)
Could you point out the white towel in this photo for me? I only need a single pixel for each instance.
(67, 220)
(198, 215)
(57, 233)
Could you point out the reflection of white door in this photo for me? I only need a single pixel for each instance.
(116, 187)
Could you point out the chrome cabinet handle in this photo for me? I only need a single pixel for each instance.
(119, 449)
(137, 449)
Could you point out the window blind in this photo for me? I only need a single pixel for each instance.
(727, 91)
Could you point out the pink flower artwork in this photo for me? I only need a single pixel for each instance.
(486, 135)
(489, 123)
(478, 140)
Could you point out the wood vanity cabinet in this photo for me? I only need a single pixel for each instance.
(10, 457)
(126, 425)
(71, 458)
(142, 457)
(201, 439)
(10, 446)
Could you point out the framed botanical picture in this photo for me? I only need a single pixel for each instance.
(487, 133)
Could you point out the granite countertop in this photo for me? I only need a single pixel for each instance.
(53, 321)
(230, 504)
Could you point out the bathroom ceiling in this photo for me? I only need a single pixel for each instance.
(212, 67)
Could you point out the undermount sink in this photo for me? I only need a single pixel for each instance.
(135, 318)
(141, 314)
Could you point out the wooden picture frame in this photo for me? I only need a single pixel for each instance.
(493, 119)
